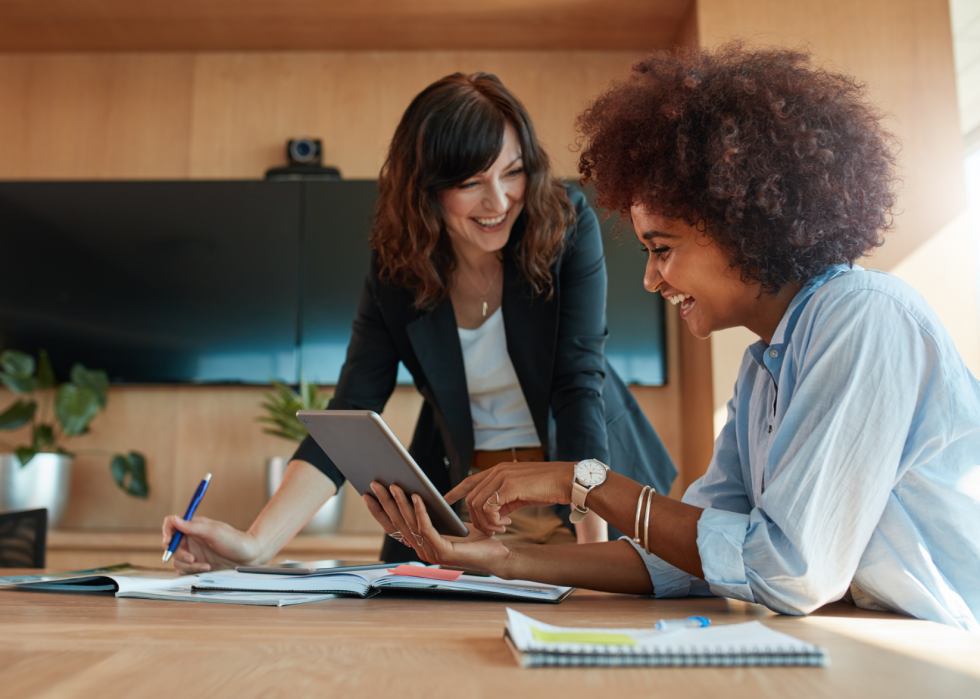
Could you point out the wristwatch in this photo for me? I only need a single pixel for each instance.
(588, 474)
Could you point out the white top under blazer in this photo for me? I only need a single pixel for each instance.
(501, 418)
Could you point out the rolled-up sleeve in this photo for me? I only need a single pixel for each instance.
(669, 581)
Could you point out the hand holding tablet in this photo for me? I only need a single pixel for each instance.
(365, 450)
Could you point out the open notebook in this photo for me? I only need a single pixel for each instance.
(125, 580)
(536, 644)
(368, 583)
(118, 578)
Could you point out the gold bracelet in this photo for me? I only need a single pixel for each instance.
(639, 508)
(646, 521)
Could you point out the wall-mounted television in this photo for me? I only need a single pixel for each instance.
(224, 282)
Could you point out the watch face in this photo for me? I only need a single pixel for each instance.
(590, 473)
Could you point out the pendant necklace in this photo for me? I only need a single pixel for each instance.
(484, 292)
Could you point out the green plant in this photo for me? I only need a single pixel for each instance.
(282, 405)
(64, 411)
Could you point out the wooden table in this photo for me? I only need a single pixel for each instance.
(55, 645)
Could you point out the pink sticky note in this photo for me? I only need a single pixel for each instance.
(430, 573)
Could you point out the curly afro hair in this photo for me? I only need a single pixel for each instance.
(783, 163)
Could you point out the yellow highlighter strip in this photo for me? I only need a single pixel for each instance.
(612, 639)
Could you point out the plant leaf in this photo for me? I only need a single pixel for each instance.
(18, 415)
(321, 402)
(18, 384)
(129, 473)
(15, 363)
(45, 373)
(304, 392)
(64, 452)
(25, 454)
(43, 436)
(75, 407)
(286, 394)
(280, 409)
(95, 379)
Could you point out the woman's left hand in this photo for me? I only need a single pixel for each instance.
(409, 519)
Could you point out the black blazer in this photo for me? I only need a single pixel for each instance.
(580, 407)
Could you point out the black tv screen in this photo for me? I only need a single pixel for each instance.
(224, 282)
(154, 281)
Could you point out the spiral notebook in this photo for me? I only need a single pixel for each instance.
(536, 644)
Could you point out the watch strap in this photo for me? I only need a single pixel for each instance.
(580, 492)
(579, 510)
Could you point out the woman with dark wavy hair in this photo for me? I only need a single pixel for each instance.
(488, 283)
(850, 463)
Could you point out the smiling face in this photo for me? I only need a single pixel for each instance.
(480, 213)
(689, 268)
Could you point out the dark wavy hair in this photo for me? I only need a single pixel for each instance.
(784, 164)
(453, 130)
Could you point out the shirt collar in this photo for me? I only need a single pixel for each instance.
(770, 355)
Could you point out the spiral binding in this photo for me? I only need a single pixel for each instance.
(605, 655)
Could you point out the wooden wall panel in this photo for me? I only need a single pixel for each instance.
(136, 419)
(15, 71)
(246, 105)
(106, 116)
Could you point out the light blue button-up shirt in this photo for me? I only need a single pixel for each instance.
(850, 460)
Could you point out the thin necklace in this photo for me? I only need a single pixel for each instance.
(485, 292)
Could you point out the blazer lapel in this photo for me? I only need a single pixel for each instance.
(435, 339)
(531, 324)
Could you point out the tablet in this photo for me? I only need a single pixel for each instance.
(365, 450)
(313, 567)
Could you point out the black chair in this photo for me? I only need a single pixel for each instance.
(23, 538)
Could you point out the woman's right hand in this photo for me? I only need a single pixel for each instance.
(212, 545)
(493, 494)
(209, 545)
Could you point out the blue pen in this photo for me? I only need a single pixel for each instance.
(692, 622)
(195, 501)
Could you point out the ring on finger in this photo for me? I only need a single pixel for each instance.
(494, 504)
(419, 540)
(397, 535)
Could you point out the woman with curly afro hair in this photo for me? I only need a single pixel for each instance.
(850, 463)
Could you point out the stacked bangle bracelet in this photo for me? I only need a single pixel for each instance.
(639, 508)
(647, 493)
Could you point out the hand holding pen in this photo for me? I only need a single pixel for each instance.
(195, 501)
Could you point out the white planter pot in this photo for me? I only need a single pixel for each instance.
(43, 482)
(327, 519)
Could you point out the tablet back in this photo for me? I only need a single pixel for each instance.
(365, 450)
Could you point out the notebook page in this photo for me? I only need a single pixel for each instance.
(472, 583)
(357, 583)
(122, 578)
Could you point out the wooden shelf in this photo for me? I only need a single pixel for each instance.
(246, 25)
(79, 549)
